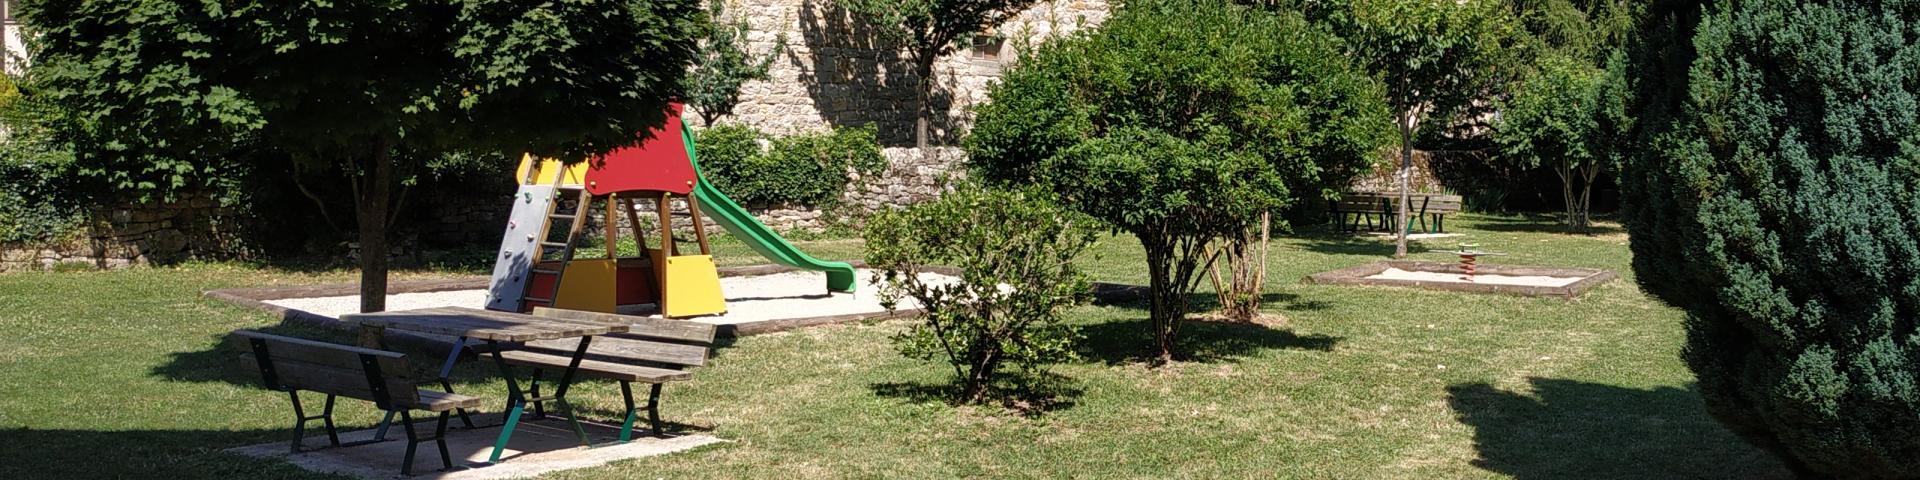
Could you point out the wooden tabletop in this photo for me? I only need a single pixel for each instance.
(484, 324)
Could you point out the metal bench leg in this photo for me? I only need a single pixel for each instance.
(413, 442)
(301, 419)
(326, 416)
(446, 370)
(626, 427)
(566, 381)
(515, 403)
(653, 411)
(539, 411)
(440, 440)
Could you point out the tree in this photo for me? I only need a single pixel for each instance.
(1436, 56)
(1769, 191)
(723, 65)
(1015, 253)
(1559, 113)
(928, 30)
(1181, 121)
(1553, 120)
(157, 92)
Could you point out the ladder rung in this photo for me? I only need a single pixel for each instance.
(560, 215)
(553, 244)
(545, 271)
(542, 300)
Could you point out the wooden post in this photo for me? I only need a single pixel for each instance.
(611, 230)
(699, 227)
(667, 246)
(633, 221)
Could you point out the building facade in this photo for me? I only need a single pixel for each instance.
(13, 53)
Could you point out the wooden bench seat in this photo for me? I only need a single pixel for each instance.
(597, 368)
(291, 365)
(652, 351)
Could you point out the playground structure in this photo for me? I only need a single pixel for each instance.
(534, 268)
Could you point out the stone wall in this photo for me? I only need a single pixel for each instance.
(1386, 174)
(194, 227)
(835, 71)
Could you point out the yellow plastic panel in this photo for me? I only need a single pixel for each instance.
(692, 287)
(588, 285)
(576, 173)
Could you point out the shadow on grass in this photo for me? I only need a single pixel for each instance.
(1030, 394)
(1541, 223)
(1125, 341)
(176, 454)
(1573, 429)
(1347, 244)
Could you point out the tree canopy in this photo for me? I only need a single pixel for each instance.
(1180, 121)
(155, 93)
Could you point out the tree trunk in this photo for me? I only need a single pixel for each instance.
(1586, 197)
(377, 186)
(1167, 306)
(1406, 185)
(923, 113)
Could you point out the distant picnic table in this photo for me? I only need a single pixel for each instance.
(1379, 211)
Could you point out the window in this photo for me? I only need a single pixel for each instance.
(987, 46)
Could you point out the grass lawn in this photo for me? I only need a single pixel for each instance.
(121, 374)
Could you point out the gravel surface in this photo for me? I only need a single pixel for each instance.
(1531, 281)
(749, 299)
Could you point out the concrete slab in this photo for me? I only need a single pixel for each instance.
(538, 447)
(751, 299)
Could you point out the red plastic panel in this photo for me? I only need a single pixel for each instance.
(659, 163)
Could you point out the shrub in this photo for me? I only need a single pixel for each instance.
(38, 201)
(808, 169)
(1181, 122)
(1773, 192)
(1015, 253)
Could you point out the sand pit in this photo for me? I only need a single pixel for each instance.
(1525, 280)
(1564, 282)
(750, 299)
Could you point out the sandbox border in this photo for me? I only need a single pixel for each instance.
(1357, 275)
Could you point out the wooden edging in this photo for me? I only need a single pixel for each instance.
(1357, 275)
(255, 298)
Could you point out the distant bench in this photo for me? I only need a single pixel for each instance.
(1379, 211)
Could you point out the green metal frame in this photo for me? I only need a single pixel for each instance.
(517, 399)
(376, 383)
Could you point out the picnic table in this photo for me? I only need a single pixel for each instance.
(470, 324)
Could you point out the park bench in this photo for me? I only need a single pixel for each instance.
(385, 378)
(1353, 208)
(652, 351)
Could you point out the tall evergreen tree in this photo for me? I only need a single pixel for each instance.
(1773, 193)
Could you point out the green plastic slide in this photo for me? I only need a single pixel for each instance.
(765, 241)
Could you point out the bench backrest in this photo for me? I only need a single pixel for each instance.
(648, 341)
(288, 363)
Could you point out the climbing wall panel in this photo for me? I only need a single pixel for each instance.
(519, 248)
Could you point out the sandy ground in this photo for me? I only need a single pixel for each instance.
(749, 299)
(1531, 281)
(1416, 236)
